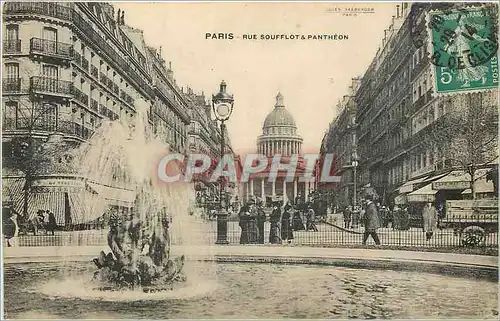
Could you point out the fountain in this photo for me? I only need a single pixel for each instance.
(123, 155)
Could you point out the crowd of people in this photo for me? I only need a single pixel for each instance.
(14, 224)
(284, 220)
(398, 218)
(372, 216)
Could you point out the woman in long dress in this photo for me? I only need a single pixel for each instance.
(274, 233)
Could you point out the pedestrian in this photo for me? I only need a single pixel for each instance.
(311, 217)
(286, 223)
(396, 214)
(371, 221)
(275, 218)
(429, 215)
(52, 224)
(243, 217)
(347, 216)
(12, 229)
(260, 220)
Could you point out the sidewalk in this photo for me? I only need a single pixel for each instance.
(286, 253)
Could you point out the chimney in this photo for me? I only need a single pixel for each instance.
(397, 11)
(170, 73)
(123, 17)
(160, 50)
(118, 16)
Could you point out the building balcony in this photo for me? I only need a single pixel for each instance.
(48, 9)
(51, 49)
(12, 47)
(94, 71)
(94, 105)
(11, 85)
(74, 129)
(103, 110)
(85, 64)
(51, 86)
(80, 96)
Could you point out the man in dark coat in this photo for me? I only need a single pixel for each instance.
(371, 221)
(261, 220)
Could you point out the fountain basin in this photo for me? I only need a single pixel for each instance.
(265, 282)
(254, 290)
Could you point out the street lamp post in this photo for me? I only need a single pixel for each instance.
(222, 105)
(354, 164)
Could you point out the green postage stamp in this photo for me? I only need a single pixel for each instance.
(463, 44)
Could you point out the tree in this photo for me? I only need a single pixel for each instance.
(466, 135)
(28, 152)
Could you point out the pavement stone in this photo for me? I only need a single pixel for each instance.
(58, 253)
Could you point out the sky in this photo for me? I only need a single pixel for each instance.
(312, 75)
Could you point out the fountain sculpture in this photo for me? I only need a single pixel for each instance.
(123, 154)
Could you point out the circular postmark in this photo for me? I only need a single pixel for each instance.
(418, 31)
(463, 37)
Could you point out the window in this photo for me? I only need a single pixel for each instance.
(46, 117)
(50, 71)
(12, 33)
(12, 43)
(12, 70)
(9, 114)
(50, 37)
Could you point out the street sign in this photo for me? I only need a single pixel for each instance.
(450, 185)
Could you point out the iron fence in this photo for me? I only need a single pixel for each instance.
(330, 232)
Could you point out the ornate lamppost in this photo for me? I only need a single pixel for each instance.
(354, 163)
(222, 105)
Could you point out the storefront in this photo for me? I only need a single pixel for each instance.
(73, 200)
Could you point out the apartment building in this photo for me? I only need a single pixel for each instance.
(398, 116)
(68, 67)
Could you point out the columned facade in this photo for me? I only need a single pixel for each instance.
(279, 137)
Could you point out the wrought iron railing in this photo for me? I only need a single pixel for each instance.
(94, 105)
(81, 96)
(103, 110)
(66, 12)
(49, 9)
(74, 129)
(85, 63)
(94, 71)
(11, 46)
(50, 86)
(51, 48)
(398, 230)
(11, 85)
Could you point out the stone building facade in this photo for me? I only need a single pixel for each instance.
(398, 114)
(340, 140)
(69, 66)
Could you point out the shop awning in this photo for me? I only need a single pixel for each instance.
(86, 207)
(424, 194)
(117, 196)
(458, 179)
(481, 186)
(409, 186)
(52, 201)
(400, 199)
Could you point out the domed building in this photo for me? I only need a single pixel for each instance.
(279, 132)
(279, 136)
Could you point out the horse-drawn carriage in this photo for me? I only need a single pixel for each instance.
(472, 220)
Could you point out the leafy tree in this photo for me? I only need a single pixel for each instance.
(466, 135)
(29, 154)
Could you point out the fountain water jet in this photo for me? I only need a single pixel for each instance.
(124, 155)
